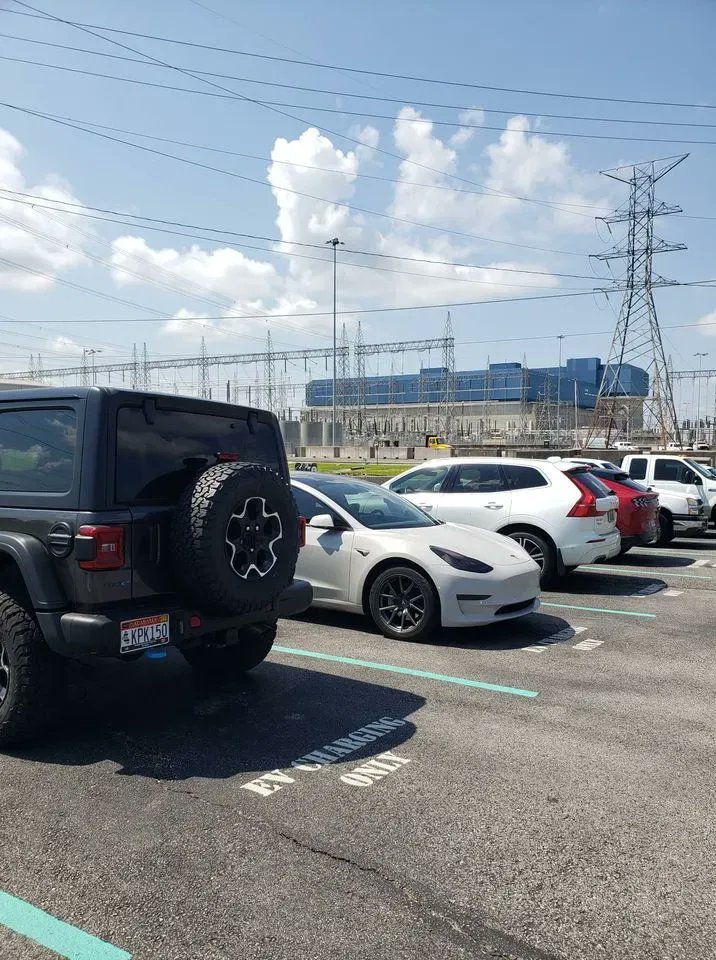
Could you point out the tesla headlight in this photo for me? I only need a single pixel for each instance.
(461, 562)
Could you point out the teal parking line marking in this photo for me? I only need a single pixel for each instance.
(64, 939)
(620, 613)
(637, 570)
(407, 671)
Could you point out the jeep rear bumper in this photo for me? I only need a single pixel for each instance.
(98, 634)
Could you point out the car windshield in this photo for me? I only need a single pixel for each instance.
(700, 468)
(372, 506)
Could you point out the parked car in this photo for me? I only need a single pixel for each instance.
(638, 513)
(677, 475)
(561, 514)
(678, 513)
(624, 445)
(131, 521)
(370, 551)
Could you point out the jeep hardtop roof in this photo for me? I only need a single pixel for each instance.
(162, 400)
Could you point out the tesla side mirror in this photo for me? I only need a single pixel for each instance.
(322, 521)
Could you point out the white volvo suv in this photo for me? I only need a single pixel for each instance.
(561, 514)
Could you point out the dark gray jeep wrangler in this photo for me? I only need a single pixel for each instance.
(129, 521)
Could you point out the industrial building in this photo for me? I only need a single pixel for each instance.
(500, 382)
(506, 400)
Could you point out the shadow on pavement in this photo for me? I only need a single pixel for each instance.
(607, 585)
(645, 561)
(503, 635)
(154, 719)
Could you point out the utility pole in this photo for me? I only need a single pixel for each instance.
(559, 390)
(335, 243)
(698, 397)
(637, 337)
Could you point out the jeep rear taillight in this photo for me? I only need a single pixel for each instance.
(301, 532)
(586, 506)
(108, 547)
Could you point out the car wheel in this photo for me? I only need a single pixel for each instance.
(403, 604)
(540, 550)
(32, 677)
(666, 530)
(234, 538)
(253, 647)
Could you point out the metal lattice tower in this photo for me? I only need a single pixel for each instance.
(39, 369)
(84, 370)
(448, 411)
(637, 337)
(360, 379)
(204, 385)
(146, 369)
(343, 386)
(545, 410)
(522, 428)
(269, 373)
(135, 368)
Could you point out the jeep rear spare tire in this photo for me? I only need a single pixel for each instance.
(235, 538)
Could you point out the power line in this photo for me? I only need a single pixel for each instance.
(395, 309)
(364, 72)
(273, 109)
(363, 253)
(354, 96)
(504, 131)
(230, 173)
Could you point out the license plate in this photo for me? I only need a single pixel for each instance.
(144, 632)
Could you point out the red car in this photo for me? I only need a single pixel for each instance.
(638, 514)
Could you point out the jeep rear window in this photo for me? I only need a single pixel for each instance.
(156, 461)
(37, 450)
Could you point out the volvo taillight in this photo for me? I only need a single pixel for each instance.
(108, 542)
(586, 506)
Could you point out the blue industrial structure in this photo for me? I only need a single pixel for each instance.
(501, 382)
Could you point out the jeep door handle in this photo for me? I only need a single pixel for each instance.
(494, 506)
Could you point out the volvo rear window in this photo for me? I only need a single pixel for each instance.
(156, 461)
(37, 450)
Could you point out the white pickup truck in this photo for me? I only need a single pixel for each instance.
(687, 491)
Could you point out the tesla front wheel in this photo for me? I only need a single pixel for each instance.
(403, 604)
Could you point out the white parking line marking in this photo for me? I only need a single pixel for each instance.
(701, 563)
(673, 593)
(567, 634)
(587, 644)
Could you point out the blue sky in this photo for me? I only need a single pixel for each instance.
(654, 51)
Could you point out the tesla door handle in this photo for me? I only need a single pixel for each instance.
(425, 506)
(494, 506)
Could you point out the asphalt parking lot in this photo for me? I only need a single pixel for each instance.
(538, 789)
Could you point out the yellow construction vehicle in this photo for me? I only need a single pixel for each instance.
(437, 443)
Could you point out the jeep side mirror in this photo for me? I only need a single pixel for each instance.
(322, 521)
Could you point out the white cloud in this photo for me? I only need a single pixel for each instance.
(28, 236)
(707, 324)
(475, 117)
(519, 161)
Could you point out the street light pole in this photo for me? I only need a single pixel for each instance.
(335, 243)
(559, 389)
(698, 397)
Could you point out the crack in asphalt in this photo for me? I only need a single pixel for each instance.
(422, 903)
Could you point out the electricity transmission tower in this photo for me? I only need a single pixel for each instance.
(449, 378)
(343, 385)
(361, 380)
(204, 386)
(637, 337)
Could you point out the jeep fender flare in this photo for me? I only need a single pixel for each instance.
(35, 567)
